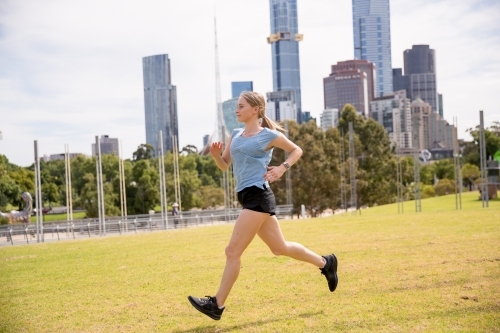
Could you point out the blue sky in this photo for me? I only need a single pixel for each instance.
(71, 70)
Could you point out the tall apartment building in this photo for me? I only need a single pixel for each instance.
(238, 87)
(372, 39)
(108, 146)
(329, 118)
(419, 79)
(160, 102)
(394, 113)
(281, 105)
(350, 82)
(284, 40)
(430, 128)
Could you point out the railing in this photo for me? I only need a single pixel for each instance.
(86, 228)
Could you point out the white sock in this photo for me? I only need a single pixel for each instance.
(324, 262)
(221, 307)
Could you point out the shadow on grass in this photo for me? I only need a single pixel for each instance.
(214, 328)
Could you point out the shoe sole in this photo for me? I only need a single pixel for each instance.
(336, 278)
(202, 310)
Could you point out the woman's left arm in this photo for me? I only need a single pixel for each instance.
(275, 172)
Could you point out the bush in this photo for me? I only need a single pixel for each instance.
(428, 191)
(4, 220)
(444, 187)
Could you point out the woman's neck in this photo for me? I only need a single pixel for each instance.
(252, 128)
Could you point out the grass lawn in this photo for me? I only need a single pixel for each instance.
(59, 217)
(435, 271)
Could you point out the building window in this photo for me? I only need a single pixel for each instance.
(379, 20)
(379, 34)
(379, 27)
(380, 50)
(363, 43)
(380, 65)
(363, 35)
(362, 20)
(379, 42)
(379, 57)
(363, 28)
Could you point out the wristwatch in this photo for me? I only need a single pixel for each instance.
(287, 166)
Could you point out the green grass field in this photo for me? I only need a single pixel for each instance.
(59, 217)
(435, 271)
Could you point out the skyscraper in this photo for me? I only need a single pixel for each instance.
(350, 82)
(420, 66)
(284, 40)
(238, 87)
(372, 39)
(160, 101)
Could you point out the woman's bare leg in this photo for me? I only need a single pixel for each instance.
(245, 229)
(270, 233)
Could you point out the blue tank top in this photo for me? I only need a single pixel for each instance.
(250, 157)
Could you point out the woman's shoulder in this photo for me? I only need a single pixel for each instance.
(272, 133)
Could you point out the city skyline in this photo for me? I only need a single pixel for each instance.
(65, 81)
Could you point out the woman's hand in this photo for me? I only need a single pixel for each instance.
(274, 173)
(216, 149)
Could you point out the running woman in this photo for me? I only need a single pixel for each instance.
(250, 149)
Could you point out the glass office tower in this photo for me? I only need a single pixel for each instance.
(284, 40)
(160, 102)
(238, 87)
(372, 39)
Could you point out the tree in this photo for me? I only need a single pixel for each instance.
(470, 173)
(190, 149)
(50, 193)
(210, 197)
(145, 151)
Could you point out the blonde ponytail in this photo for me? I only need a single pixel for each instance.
(257, 100)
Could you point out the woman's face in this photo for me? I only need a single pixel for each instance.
(245, 111)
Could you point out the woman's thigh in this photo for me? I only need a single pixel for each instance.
(270, 233)
(245, 229)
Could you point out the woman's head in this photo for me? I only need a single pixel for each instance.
(257, 102)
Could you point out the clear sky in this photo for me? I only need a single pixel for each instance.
(72, 69)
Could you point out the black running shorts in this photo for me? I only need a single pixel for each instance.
(257, 199)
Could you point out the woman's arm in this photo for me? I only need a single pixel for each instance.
(223, 161)
(295, 152)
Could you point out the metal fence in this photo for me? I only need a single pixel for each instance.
(17, 234)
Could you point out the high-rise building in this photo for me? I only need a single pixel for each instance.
(329, 118)
(108, 146)
(281, 105)
(238, 87)
(372, 39)
(205, 140)
(284, 40)
(160, 102)
(229, 114)
(419, 79)
(419, 60)
(351, 82)
(394, 113)
(429, 128)
(306, 116)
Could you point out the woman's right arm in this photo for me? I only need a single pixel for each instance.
(223, 161)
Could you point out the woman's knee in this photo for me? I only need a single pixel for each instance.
(233, 252)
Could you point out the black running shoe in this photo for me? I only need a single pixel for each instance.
(330, 271)
(207, 306)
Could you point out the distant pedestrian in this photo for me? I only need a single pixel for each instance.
(250, 149)
(175, 214)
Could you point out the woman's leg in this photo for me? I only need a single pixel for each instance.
(270, 233)
(245, 229)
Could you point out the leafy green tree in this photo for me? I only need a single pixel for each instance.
(143, 193)
(470, 173)
(50, 193)
(444, 169)
(145, 151)
(428, 191)
(210, 197)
